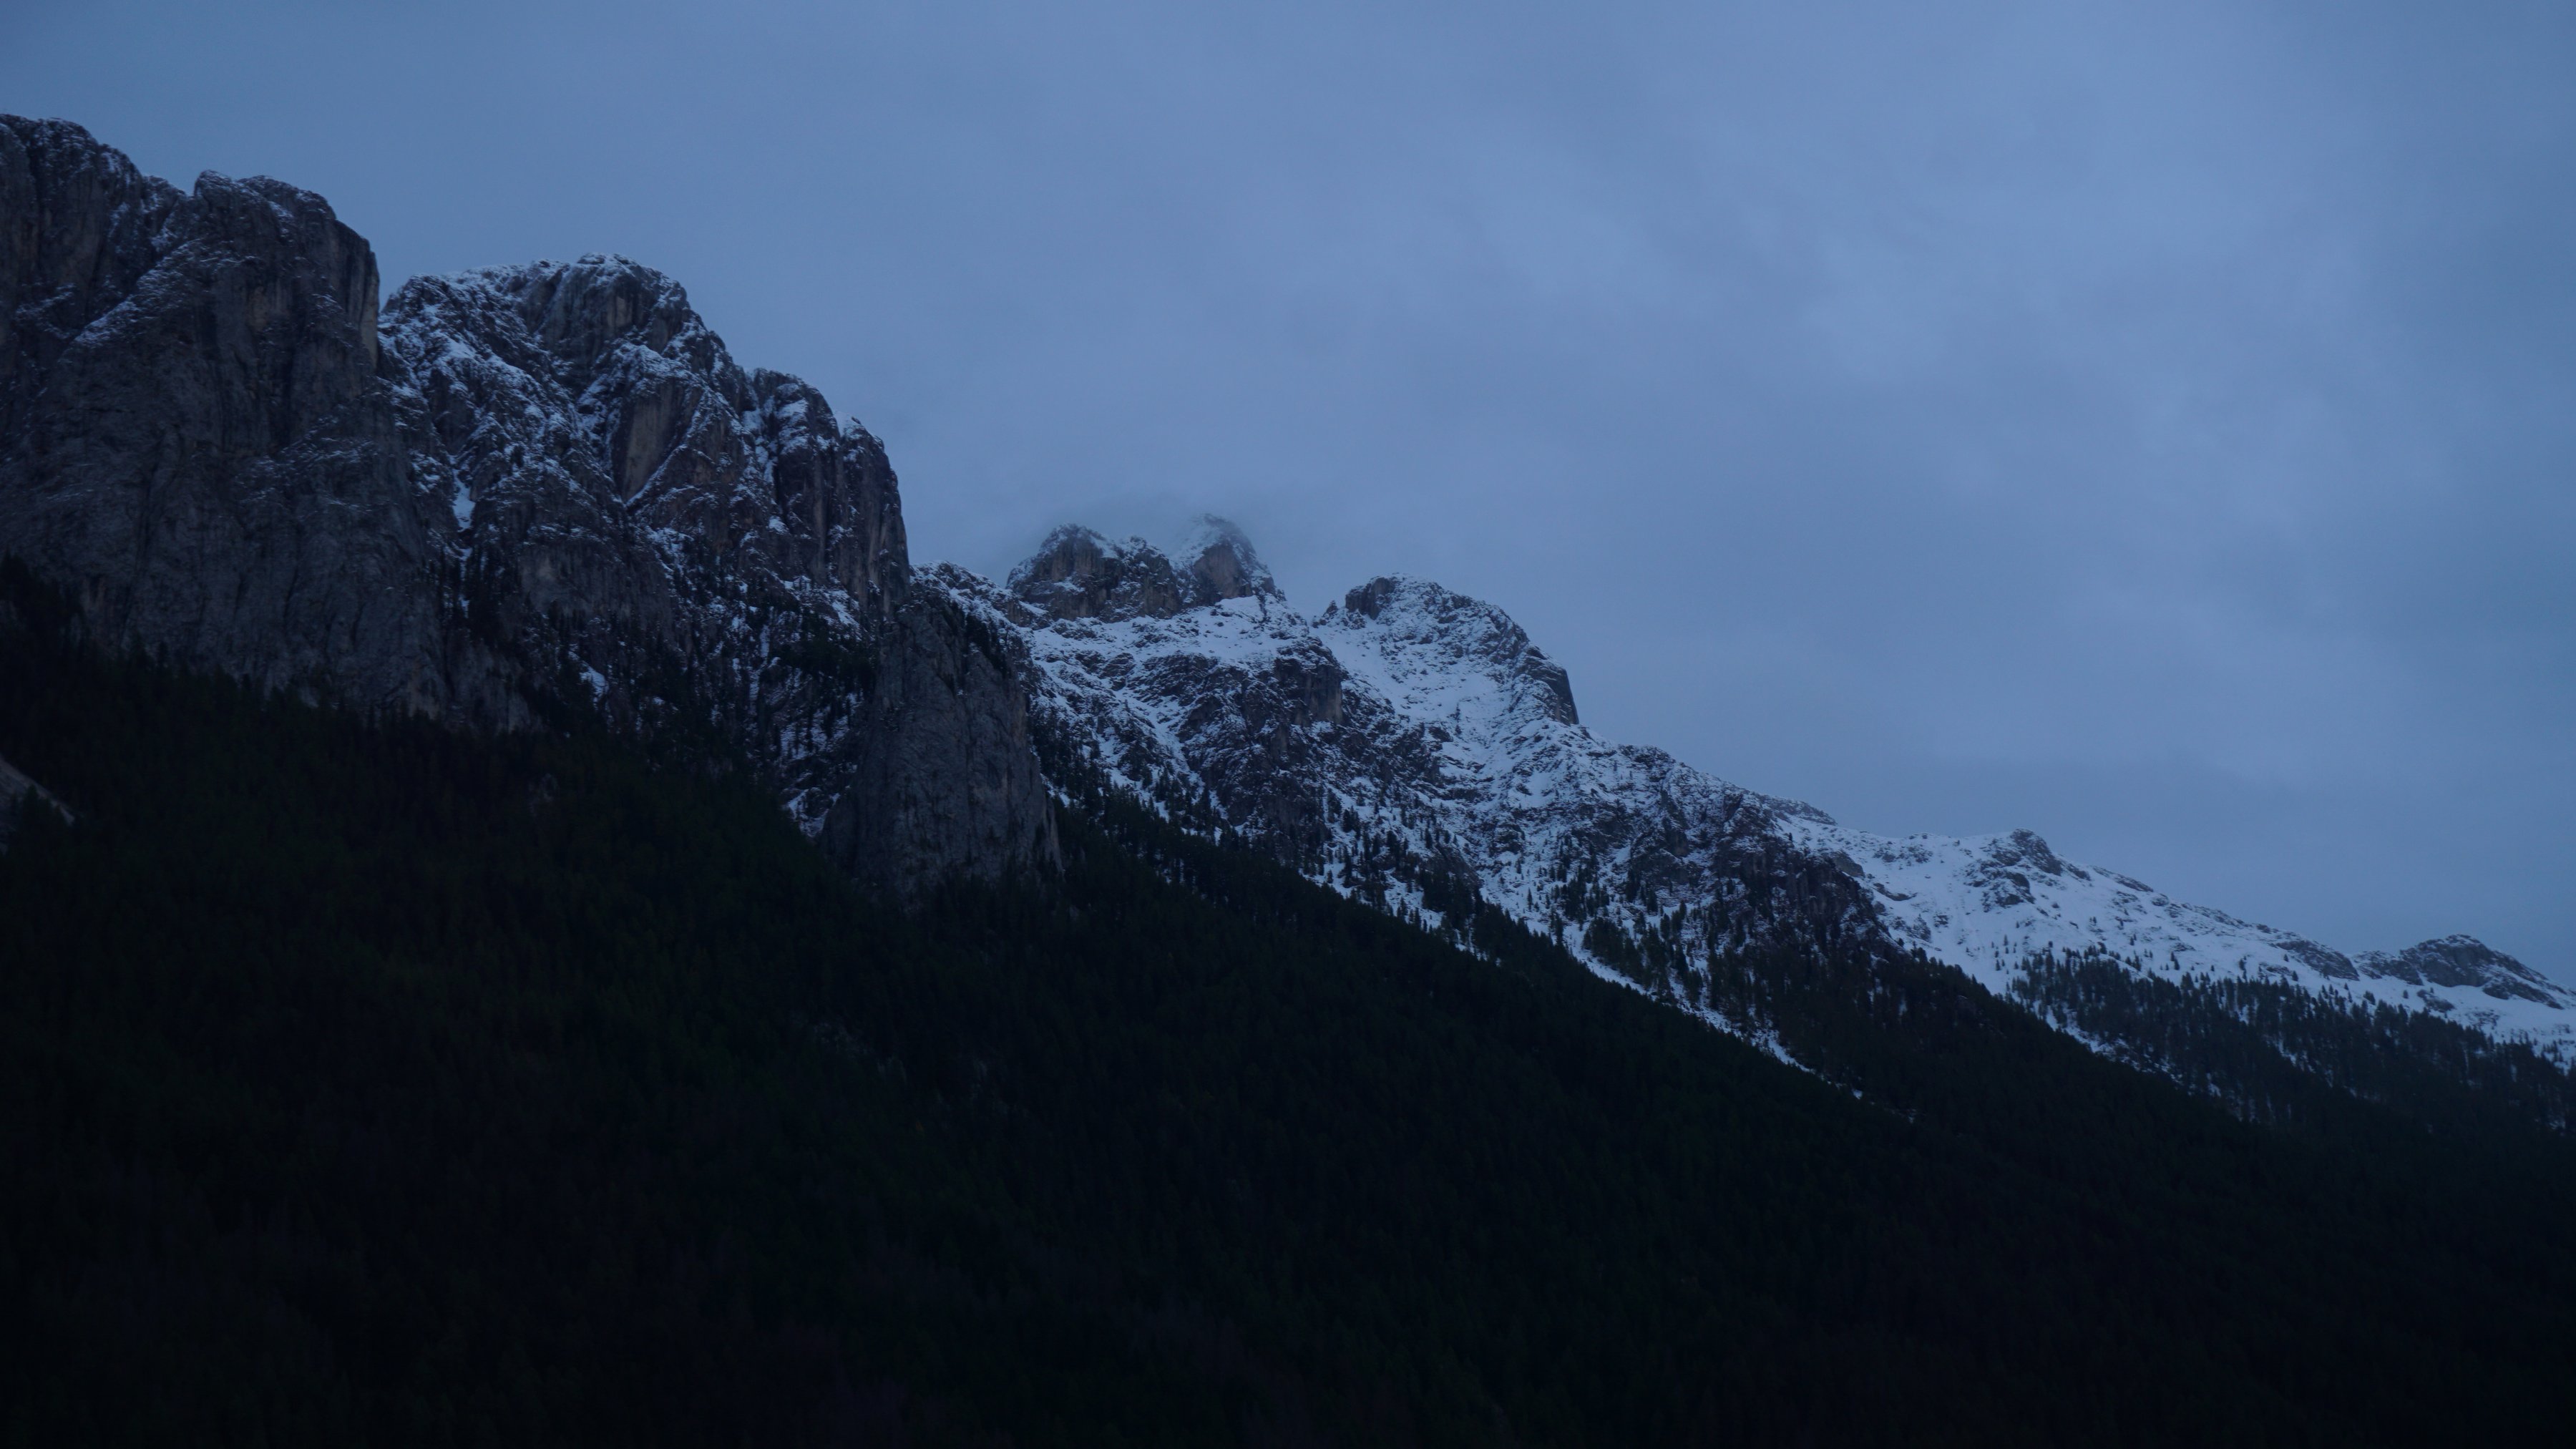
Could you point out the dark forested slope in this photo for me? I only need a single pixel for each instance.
(378, 1084)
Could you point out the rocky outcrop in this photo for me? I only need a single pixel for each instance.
(2462, 961)
(523, 494)
(1077, 574)
(199, 434)
(950, 777)
(705, 545)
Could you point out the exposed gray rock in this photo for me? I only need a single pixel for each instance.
(2461, 961)
(2002, 873)
(198, 433)
(2323, 960)
(1077, 574)
(702, 543)
(1218, 562)
(545, 491)
(951, 779)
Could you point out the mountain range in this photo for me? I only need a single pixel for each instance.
(524, 495)
(505, 498)
(1408, 742)
(525, 916)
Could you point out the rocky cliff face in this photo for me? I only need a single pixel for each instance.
(522, 492)
(199, 432)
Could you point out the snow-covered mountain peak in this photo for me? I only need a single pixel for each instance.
(1988, 903)
(1216, 555)
(599, 311)
(1410, 739)
(1432, 641)
(1411, 748)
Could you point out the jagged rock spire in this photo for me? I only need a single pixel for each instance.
(1078, 574)
(1219, 561)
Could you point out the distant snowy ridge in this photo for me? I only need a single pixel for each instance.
(1988, 903)
(1409, 743)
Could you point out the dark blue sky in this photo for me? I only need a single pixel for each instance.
(2153, 424)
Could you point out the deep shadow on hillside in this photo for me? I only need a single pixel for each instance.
(388, 1085)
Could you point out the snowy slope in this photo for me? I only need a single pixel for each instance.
(1986, 903)
(1408, 739)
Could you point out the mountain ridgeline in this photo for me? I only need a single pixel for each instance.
(525, 916)
(524, 496)
(1412, 748)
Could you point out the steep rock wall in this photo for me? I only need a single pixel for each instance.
(523, 493)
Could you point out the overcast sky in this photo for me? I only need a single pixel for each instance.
(2152, 424)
